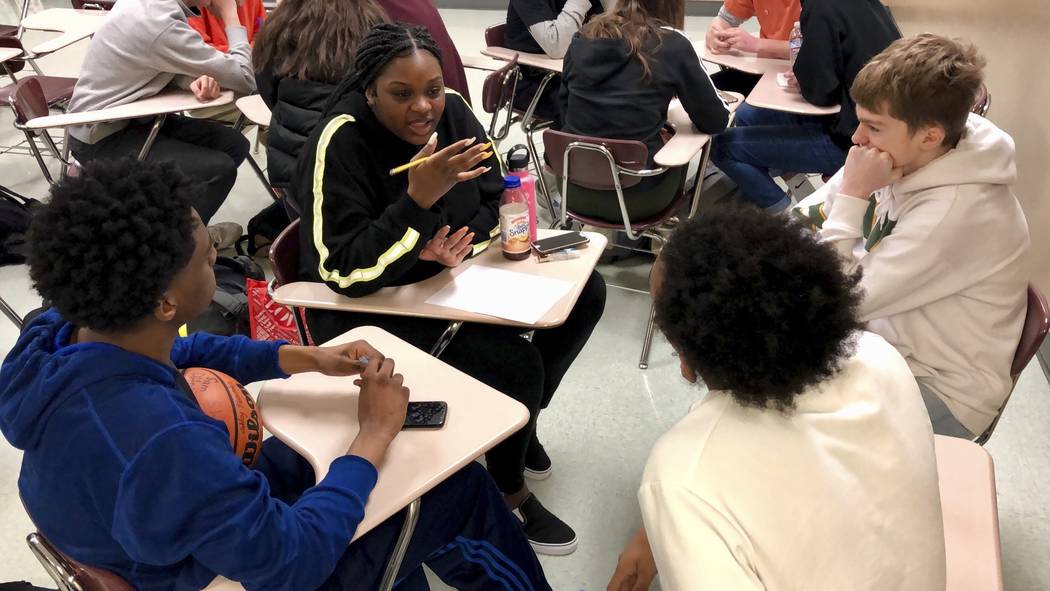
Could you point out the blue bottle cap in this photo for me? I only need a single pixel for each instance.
(511, 182)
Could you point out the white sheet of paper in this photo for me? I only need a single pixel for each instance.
(504, 294)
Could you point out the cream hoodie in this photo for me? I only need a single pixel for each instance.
(946, 283)
(838, 495)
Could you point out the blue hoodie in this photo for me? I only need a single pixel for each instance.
(122, 471)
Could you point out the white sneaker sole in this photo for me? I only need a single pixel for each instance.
(534, 475)
(554, 549)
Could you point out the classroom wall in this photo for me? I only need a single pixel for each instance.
(1013, 36)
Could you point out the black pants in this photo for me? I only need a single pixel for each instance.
(206, 151)
(465, 534)
(732, 80)
(497, 356)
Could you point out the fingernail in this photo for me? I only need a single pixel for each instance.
(487, 155)
(433, 138)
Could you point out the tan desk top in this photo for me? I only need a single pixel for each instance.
(536, 60)
(687, 141)
(7, 53)
(160, 104)
(971, 520)
(769, 95)
(73, 24)
(64, 19)
(738, 60)
(255, 109)
(480, 62)
(410, 300)
(316, 415)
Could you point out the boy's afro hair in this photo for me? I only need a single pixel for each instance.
(756, 304)
(109, 242)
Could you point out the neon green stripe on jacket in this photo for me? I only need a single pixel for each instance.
(481, 246)
(495, 148)
(392, 254)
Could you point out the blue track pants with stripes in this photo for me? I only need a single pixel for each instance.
(465, 534)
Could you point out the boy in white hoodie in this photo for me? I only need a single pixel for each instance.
(924, 207)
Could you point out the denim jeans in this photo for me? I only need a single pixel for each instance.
(764, 140)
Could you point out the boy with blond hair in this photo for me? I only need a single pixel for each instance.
(925, 179)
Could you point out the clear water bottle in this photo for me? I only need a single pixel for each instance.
(795, 42)
(514, 220)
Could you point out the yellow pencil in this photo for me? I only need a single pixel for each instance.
(419, 161)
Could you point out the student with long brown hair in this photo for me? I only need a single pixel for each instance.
(619, 75)
(300, 55)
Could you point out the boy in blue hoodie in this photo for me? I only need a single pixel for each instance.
(123, 471)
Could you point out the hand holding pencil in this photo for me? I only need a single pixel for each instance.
(437, 172)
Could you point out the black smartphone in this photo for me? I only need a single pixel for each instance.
(559, 242)
(426, 415)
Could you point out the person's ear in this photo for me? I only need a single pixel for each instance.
(931, 137)
(370, 96)
(166, 309)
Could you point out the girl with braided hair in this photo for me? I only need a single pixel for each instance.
(363, 229)
(304, 51)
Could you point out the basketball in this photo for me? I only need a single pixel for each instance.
(223, 398)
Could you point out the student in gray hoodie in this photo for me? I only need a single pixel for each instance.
(145, 47)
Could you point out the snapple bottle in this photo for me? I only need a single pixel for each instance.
(514, 220)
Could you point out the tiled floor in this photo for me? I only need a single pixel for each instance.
(605, 417)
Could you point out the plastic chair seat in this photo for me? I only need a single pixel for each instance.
(56, 89)
(8, 31)
(89, 578)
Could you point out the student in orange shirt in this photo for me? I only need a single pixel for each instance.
(252, 15)
(775, 20)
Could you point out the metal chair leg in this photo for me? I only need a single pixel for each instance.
(39, 158)
(152, 137)
(56, 568)
(11, 314)
(262, 177)
(445, 338)
(643, 362)
(398, 555)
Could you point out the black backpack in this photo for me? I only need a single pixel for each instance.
(15, 213)
(228, 313)
(263, 229)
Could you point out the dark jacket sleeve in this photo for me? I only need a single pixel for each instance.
(698, 94)
(361, 247)
(819, 66)
(485, 223)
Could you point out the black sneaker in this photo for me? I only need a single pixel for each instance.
(547, 534)
(537, 462)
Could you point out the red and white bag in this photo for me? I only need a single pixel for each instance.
(270, 321)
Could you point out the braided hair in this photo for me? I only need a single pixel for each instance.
(384, 43)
